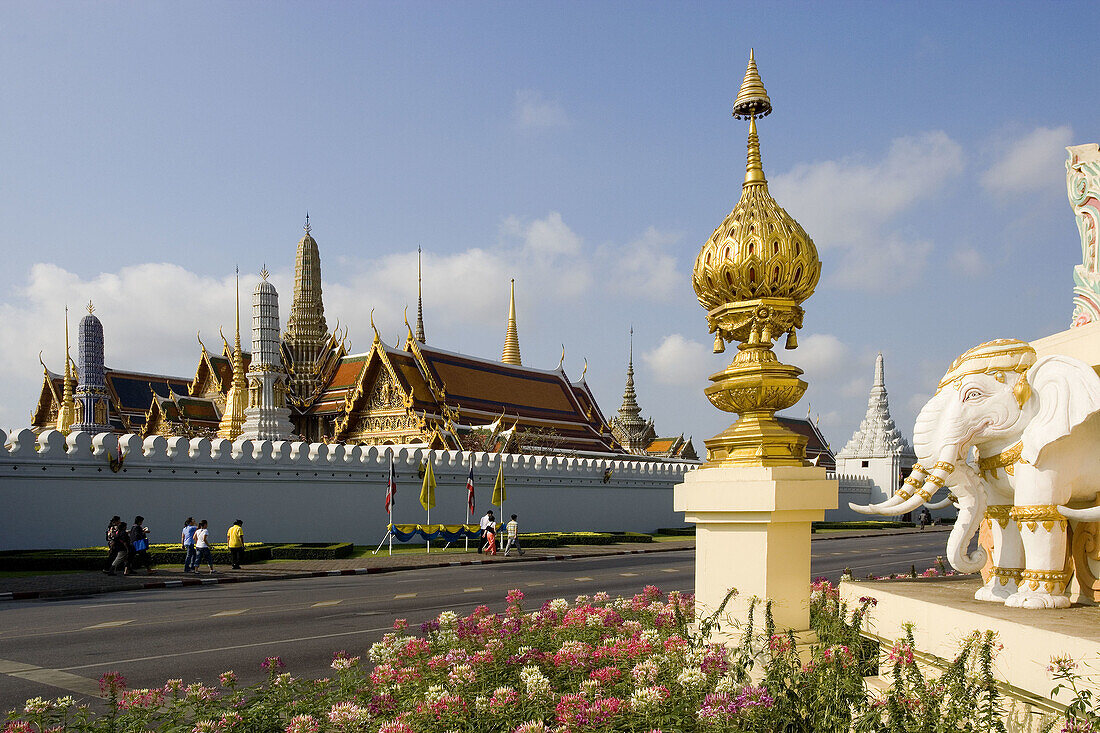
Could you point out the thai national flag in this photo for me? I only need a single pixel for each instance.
(391, 489)
(470, 489)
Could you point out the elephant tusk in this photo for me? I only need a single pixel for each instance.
(943, 503)
(1091, 514)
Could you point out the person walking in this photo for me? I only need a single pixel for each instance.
(112, 550)
(512, 537)
(235, 537)
(123, 548)
(187, 539)
(925, 518)
(491, 535)
(139, 538)
(486, 522)
(202, 547)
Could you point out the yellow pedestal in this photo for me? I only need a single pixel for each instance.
(753, 534)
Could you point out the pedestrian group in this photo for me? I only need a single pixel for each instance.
(128, 546)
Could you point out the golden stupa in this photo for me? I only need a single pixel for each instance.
(751, 276)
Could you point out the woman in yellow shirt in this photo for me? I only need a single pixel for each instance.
(235, 536)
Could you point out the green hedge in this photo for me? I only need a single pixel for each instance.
(677, 531)
(94, 558)
(312, 551)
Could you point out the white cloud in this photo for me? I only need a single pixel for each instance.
(968, 261)
(533, 111)
(820, 355)
(680, 361)
(850, 206)
(1035, 162)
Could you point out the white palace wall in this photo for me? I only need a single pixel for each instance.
(59, 491)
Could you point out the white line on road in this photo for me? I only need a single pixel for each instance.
(399, 596)
(232, 612)
(322, 604)
(628, 575)
(230, 648)
(109, 624)
(583, 578)
(537, 582)
(111, 605)
(472, 590)
(669, 570)
(52, 677)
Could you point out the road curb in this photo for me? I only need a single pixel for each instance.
(187, 582)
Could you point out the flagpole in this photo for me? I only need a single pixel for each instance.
(392, 499)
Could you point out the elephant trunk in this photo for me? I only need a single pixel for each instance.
(915, 492)
(972, 503)
(944, 503)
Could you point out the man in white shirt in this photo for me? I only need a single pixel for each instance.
(487, 522)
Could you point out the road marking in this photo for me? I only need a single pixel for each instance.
(628, 575)
(111, 605)
(582, 578)
(322, 604)
(669, 570)
(472, 590)
(230, 648)
(233, 612)
(109, 624)
(537, 582)
(52, 677)
(404, 595)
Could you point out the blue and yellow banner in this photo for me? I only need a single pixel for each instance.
(448, 532)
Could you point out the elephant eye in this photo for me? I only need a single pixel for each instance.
(972, 394)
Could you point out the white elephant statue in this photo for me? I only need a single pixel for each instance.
(1033, 425)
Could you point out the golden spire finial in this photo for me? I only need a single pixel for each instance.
(752, 100)
(510, 355)
(307, 227)
(66, 411)
(419, 302)
(263, 272)
(236, 399)
(91, 308)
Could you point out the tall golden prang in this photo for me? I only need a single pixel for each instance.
(751, 276)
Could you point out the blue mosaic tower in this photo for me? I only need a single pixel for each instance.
(91, 395)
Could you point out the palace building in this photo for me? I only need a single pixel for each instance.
(408, 393)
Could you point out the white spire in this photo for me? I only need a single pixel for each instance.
(877, 436)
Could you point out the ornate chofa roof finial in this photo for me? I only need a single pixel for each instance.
(510, 354)
(419, 302)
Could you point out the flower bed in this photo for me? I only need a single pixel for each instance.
(596, 664)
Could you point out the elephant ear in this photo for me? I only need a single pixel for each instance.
(1068, 392)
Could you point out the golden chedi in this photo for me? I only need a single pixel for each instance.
(751, 276)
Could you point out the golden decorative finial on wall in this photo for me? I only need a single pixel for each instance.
(751, 276)
(66, 411)
(236, 399)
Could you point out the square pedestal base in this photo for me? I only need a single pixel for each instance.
(753, 534)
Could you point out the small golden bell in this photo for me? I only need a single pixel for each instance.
(719, 344)
(792, 340)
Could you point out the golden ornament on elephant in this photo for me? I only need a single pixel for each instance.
(751, 276)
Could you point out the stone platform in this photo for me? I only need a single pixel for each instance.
(943, 613)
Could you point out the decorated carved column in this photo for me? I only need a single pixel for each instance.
(755, 498)
(1083, 187)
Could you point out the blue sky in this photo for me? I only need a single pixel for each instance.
(584, 148)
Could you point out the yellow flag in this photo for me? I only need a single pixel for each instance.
(499, 492)
(427, 489)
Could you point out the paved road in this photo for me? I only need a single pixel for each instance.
(51, 648)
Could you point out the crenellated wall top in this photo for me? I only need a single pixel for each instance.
(80, 448)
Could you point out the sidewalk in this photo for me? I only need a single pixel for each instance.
(88, 583)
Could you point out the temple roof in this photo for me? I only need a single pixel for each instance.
(818, 451)
(877, 436)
